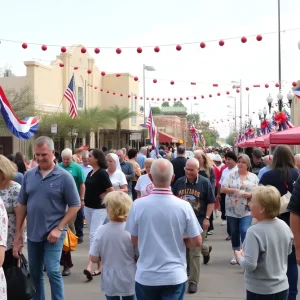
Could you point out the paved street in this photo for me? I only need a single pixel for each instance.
(219, 280)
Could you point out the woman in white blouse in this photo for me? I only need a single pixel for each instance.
(237, 187)
(116, 176)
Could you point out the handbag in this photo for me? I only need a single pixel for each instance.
(284, 201)
(19, 281)
(70, 242)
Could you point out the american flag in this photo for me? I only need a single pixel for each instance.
(203, 140)
(71, 97)
(151, 128)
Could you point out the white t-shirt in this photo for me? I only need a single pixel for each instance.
(118, 179)
(113, 244)
(144, 185)
(226, 173)
(160, 221)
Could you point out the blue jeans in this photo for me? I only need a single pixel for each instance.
(45, 253)
(292, 274)
(238, 229)
(119, 297)
(278, 296)
(79, 223)
(162, 292)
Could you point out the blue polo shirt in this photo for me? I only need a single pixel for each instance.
(47, 200)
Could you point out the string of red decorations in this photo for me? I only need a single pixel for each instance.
(156, 48)
(190, 97)
(172, 82)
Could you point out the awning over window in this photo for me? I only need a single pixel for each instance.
(166, 138)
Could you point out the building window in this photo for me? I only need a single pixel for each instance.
(133, 108)
(80, 97)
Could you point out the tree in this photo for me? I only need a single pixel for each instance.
(193, 117)
(156, 110)
(231, 138)
(165, 104)
(118, 115)
(177, 104)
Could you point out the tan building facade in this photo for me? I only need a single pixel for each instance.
(48, 83)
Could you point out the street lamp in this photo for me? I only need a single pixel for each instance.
(269, 101)
(261, 113)
(145, 68)
(232, 97)
(236, 86)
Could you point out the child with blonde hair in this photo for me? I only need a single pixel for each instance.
(112, 244)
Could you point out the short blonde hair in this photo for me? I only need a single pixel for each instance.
(246, 158)
(269, 198)
(118, 205)
(7, 168)
(148, 161)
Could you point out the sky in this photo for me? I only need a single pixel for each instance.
(138, 23)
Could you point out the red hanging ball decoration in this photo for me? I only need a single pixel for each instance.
(178, 47)
(266, 85)
(114, 93)
(61, 65)
(247, 89)
(83, 50)
(195, 97)
(174, 99)
(139, 50)
(24, 46)
(243, 39)
(95, 87)
(210, 95)
(180, 99)
(97, 50)
(89, 71)
(44, 47)
(118, 51)
(221, 43)
(227, 92)
(118, 75)
(147, 98)
(135, 97)
(152, 99)
(259, 38)
(154, 80)
(202, 97)
(107, 92)
(219, 94)
(129, 96)
(75, 68)
(169, 99)
(294, 83)
(101, 90)
(202, 45)
(172, 82)
(156, 49)
(163, 99)
(237, 90)
(121, 95)
(276, 84)
(141, 98)
(187, 98)
(63, 49)
(103, 73)
(136, 78)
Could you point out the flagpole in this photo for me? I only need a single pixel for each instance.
(60, 103)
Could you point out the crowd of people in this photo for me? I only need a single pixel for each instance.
(129, 199)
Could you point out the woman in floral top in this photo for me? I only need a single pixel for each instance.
(3, 238)
(9, 192)
(237, 187)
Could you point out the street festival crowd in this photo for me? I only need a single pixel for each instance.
(150, 214)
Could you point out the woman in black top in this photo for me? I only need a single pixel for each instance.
(283, 176)
(97, 184)
(19, 161)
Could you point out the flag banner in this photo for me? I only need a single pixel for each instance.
(71, 97)
(152, 129)
(22, 129)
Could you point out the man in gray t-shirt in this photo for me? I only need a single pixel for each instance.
(50, 200)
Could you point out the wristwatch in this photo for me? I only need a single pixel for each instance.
(207, 217)
(82, 199)
(61, 229)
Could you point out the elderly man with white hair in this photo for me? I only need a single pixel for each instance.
(162, 226)
(77, 173)
(268, 162)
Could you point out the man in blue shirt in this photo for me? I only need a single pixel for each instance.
(50, 200)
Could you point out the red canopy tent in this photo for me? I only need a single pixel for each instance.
(288, 137)
(250, 143)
